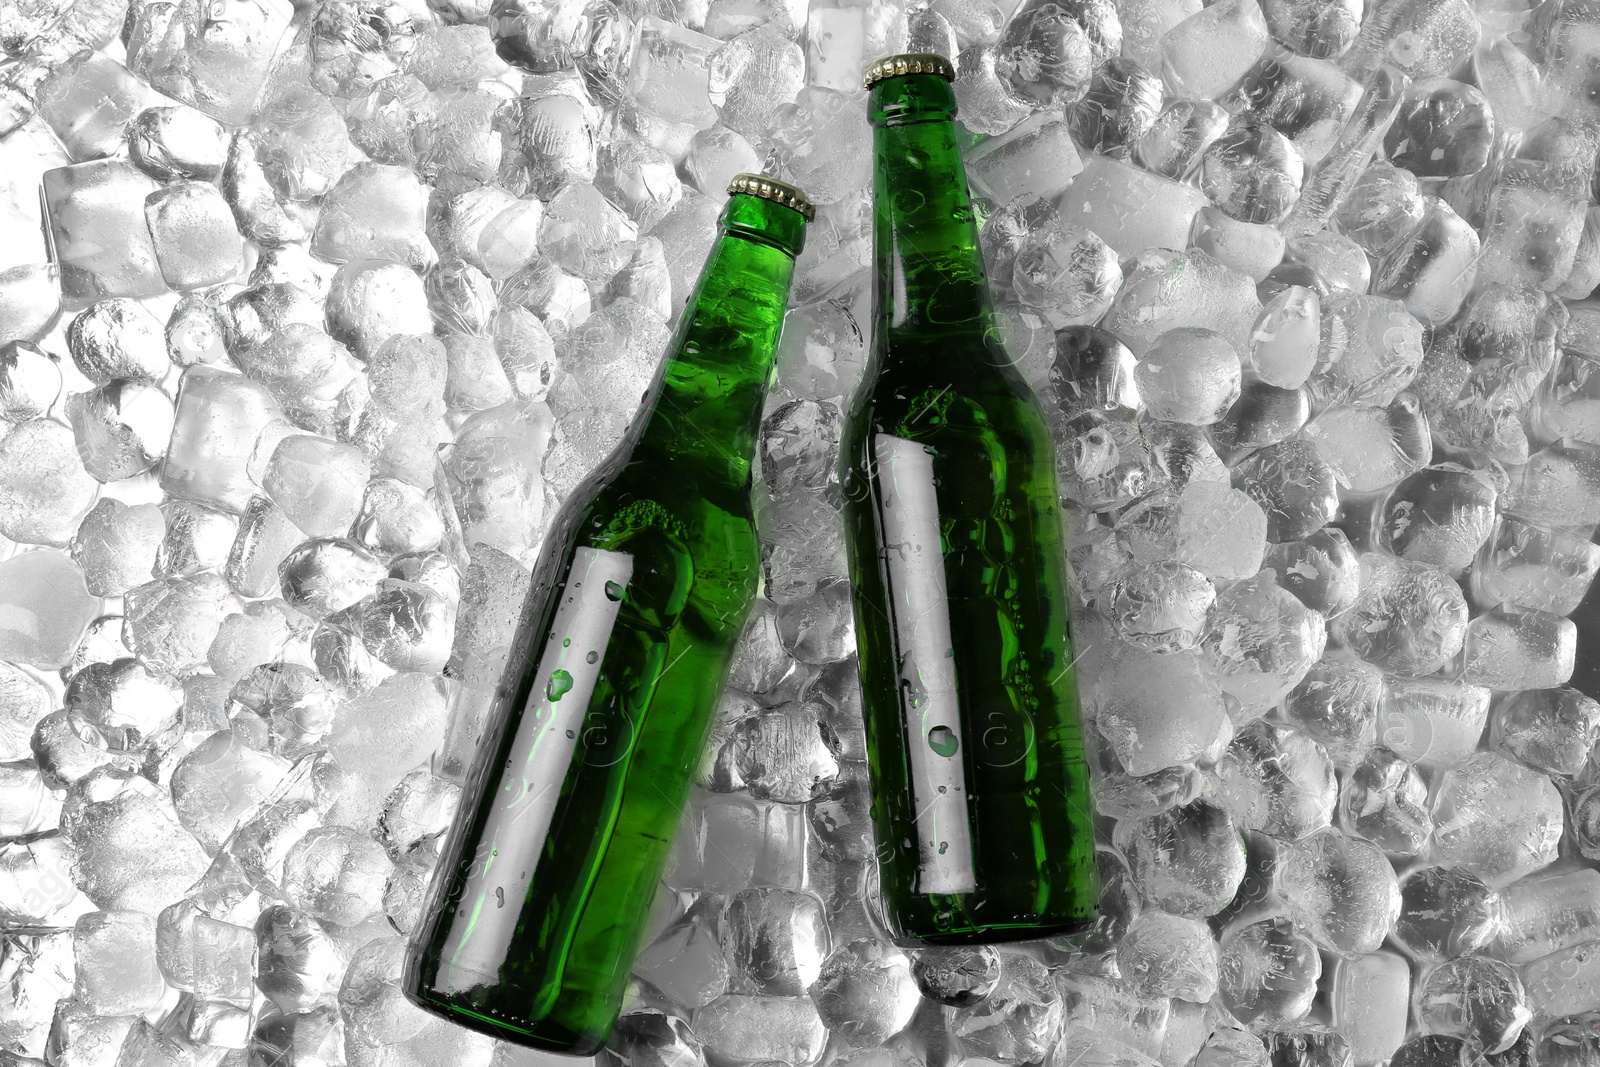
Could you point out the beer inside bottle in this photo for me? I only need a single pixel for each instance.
(641, 589)
(953, 532)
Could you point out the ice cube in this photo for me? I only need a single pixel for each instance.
(318, 483)
(121, 704)
(1409, 618)
(197, 538)
(1475, 998)
(1440, 515)
(116, 963)
(97, 219)
(1384, 800)
(1369, 448)
(171, 622)
(193, 232)
(1511, 649)
(116, 545)
(1207, 53)
(1019, 1021)
(1166, 955)
(1134, 694)
(1251, 248)
(1498, 817)
(1130, 209)
(1035, 157)
(221, 780)
(1268, 972)
(1434, 272)
(215, 57)
(30, 381)
(379, 736)
(371, 302)
(1446, 911)
(956, 975)
(1189, 289)
(1323, 31)
(1045, 57)
(727, 842)
(1550, 730)
(131, 850)
(1188, 375)
(1432, 719)
(1162, 607)
(1563, 983)
(121, 428)
(44, 607)
(1340, 891)
(374, 212)
(88, 102)
(336, 874)
(783, 753)
(1277, 779)
(670, 74)
(1187, 860)
(739, 1028)
(220, 416)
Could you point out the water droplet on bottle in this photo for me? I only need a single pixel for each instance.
(499, 896)
(566, 642)
(613, 591)
(592, 657)
(560, 683)
(943, 740)
(944, 846)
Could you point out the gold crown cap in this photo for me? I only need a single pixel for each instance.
(909, 63)
(774, 190)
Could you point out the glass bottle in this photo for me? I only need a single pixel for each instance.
(641, 589)
(953, 532)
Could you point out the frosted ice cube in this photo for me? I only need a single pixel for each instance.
(1337, 703)
(195, 239)
(116, 963)
(1548, 914)
(751, 76)
(727, 842)
(370, 302)
(318, 483)
(1340, 891)
(1560, 486)
(381, 735)
(1189, 375)
(265, 537)
(1369, 448)
(1292, 485)
(121, 704)
(336, 874)
(1250, 248)
(670, 74)
(171, 622)
(1189, 289)
(1434, 272)
(177, 142)
(89, 101)
(1371, 350)
(1550, 730)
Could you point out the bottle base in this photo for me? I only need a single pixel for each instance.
(997, 934)
(547, 1038)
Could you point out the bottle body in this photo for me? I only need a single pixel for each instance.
(641, 589)
(953, 532)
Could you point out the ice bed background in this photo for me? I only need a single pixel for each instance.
(332, 304)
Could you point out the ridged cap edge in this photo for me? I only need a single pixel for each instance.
(908, 63)
(774, 190)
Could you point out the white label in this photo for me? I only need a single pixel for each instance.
(919, 619)
(541, 754)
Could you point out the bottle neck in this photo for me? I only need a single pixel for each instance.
(928, 270)
(706, 412)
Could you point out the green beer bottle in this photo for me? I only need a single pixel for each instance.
(953, 532)
(641, 589)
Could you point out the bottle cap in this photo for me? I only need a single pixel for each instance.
(909, 63)
(774, 190)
